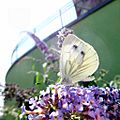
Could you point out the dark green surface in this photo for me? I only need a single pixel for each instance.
(19, 71)
(101, 29)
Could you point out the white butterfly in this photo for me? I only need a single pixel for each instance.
(78, 60)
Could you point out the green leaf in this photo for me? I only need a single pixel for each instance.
(44, 65)
(33, 66)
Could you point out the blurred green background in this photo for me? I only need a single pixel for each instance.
(100, 29)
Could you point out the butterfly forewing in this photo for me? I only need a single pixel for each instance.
(78, 59)
(69, 54)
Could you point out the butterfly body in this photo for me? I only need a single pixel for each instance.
(78, 60)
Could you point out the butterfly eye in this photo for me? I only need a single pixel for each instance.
(75, 46)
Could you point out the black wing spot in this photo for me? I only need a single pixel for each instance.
(75, 46)
(82, 53)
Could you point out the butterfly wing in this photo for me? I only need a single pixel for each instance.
(78, 60)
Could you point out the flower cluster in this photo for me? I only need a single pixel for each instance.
(13, 91)
(61, 102)
(10, 90)
(62, 34)
(43, 47)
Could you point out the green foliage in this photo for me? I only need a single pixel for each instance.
(100, 80)
(115, 82)
(46, 75)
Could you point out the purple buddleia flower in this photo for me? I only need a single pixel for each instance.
(31, 117)
(56, 115)
(42, 46)
(33, 103)
(61, 102)
(23, 111)
(62, 34)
